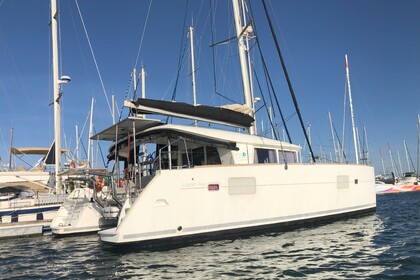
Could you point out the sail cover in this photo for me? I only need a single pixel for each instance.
(183, 110)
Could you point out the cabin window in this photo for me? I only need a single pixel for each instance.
(15, 217)
(212, 156)
(287, 156)
(198, 156)
(39, 216)
(264, 156)
(205, 156)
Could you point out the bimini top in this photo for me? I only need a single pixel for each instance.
(124, 127)
(210, 114)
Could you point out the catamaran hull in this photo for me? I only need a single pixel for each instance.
(80, 215)
(216, 200)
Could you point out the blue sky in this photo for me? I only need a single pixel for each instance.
(381, 38)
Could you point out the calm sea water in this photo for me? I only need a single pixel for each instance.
(384, 245)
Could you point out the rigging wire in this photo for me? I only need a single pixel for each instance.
(93, 56)
(182, 51)
(81, 133)
(213, 17)
(144, 31)
(136, 63)
(287, 79)
(344, 114)
(342, 152)
(265, 104)
(269, 81)
(125, 96)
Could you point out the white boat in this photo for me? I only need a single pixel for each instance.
(204, 183)
(229, 182)
(36, 178)
(389, 184)
(91, 206)
(26, 213)
(27, 201)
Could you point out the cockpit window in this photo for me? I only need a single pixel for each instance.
(264, 156)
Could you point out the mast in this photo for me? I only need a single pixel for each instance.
(77, 144)
(382, 160)
(134, 82)
(251, 84)
(143, 95)
(399, 161)
(359, 145)
(113, 109)
(270, 115)
(343, 139)
(351, 111)
(406, 156)
(191, 31)
(143, 83)
(242, 59)
(11, 145)
(56, 90)
(309, 144)
(367, 147)
(90, 135)
(333, 138)
(392, 160)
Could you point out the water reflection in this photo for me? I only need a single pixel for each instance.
(382, 245)
(343, 248)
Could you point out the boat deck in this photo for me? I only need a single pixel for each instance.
(30, 228)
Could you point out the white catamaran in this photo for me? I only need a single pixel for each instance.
(199, 183)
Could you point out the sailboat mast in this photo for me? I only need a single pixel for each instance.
(406, 157)
(242, 59)
(392, 160)
(351, 111)
(90, 153)
(382, 160)
(113, 109)
(191, 31)
(143, 95)
(11, 146)
(367, 147)
(399, 161)
(333, 138)
(77, 144)
(56, 91)
(143, 82)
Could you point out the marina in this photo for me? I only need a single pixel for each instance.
(229, 168)
(382, 245)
